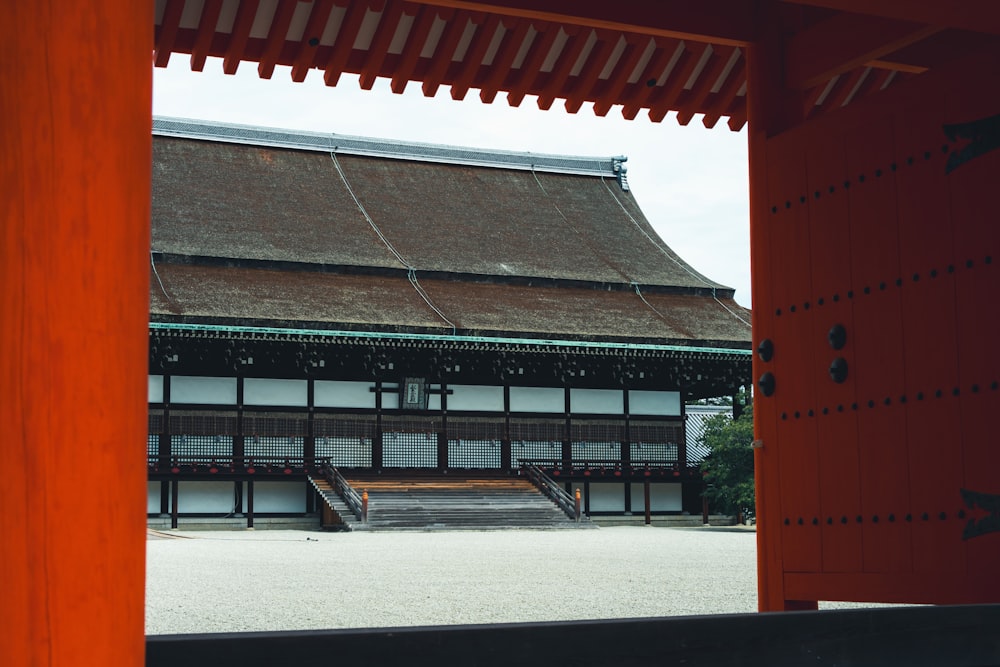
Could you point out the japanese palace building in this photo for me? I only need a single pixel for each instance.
(395, 307)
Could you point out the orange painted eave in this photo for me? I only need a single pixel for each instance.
(656, 57)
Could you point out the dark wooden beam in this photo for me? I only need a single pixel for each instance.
(728, 22)
(975, 15)
(936, 51)
(844, 42)
(963, 635)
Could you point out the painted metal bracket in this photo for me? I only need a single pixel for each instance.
(987, 502)
(983, 136)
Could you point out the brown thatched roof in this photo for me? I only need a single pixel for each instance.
(277, 234)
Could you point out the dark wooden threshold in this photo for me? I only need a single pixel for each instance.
(955, 635)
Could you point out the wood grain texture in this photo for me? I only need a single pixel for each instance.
(74, 168)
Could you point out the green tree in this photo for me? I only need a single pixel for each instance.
(728, 469)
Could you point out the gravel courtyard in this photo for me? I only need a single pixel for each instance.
(242, 581)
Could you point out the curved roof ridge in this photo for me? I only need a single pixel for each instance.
(389, 148)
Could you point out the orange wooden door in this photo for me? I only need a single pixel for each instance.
(879, 240)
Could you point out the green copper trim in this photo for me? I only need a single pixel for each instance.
(220, 328)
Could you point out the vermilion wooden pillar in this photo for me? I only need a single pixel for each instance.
(75, 153)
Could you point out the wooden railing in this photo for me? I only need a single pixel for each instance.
(613, 467)
(351, 497)
(555, 492)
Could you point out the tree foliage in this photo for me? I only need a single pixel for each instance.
(728, 469)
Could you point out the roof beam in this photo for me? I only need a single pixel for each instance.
(937, 50)
(730, 22)
(975, 15)
(843, 42)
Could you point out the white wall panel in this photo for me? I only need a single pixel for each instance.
(202, 390)
(597, 401)
(205, 497)
(659, 403)
(662, 498)
(537, 399)
(155, 393)
(266, 391)
(152, 497)
(390, 399)
(434, 400)
(475, 397)
(338, 394)
(607, 497)
(278, 497)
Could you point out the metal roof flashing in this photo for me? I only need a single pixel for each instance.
(607, 167)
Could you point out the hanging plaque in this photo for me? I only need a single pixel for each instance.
(413, 394)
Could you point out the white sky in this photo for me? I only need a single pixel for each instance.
(690, 182)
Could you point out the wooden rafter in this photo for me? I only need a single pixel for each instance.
(444, 53)
(206, 31)
(379, 47)
(283, 14)
(309, 44)
(167, 32)
(239, 35)
(499, 70)
(422, 24)
(561, 71)
(596, 61)
(540, 48)
(666, 50)
(634, 51)
(348, 33)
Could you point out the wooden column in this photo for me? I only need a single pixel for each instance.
(377, 439)
(75, 154)
(645, 500)
(250, 503)
(174, 502)
(239, 449)
(309, 442)
(506, 449)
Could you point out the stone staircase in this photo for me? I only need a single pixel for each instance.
(336, 515)
(460, 504)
